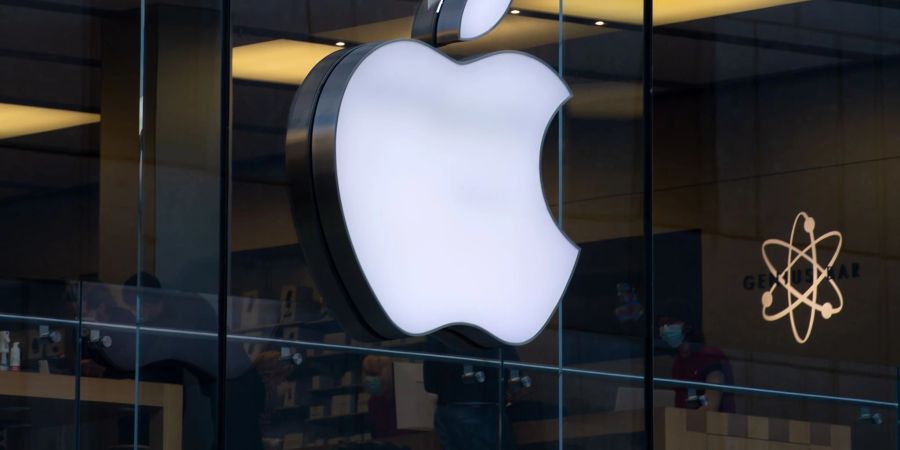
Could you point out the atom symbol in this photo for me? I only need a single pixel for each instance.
(809, 297)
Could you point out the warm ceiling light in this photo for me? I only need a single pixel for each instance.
(664, 11)
(384, 30)
(21, 120)
(340, 43)
(515, 33)
(515, 11)
(278, 61)
(599, 23)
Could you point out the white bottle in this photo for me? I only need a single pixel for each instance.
(15, 357)
(4, 351)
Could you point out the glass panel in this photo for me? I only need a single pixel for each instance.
(774, 151)
(176, 293)
(605, 413)
(68, 190)
(533, 407)
(275, 299)
(603, 203)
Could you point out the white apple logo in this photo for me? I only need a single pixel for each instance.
(427, 189)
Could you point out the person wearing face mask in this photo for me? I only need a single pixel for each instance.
(699, 362)
(378, 382)
(373, 385)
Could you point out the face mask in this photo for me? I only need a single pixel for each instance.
(672, 335)
(373, 385)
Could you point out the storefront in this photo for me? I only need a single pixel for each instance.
(154, 292)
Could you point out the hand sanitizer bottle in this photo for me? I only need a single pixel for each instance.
(15, 357)
(4, 351)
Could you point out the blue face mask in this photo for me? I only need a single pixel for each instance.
(672, 335)
(373, 385)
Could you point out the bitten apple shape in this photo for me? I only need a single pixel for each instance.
(438, 172)
(416, 189)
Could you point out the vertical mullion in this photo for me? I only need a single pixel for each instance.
(647, 91)
(78, 343)
(224, 219)
(559, 204)
(140, 226)
(501, 401)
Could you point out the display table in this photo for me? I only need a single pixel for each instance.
(165, 424)
(677, 429)
(682, 429)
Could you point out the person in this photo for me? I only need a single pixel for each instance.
(378, 382)
(698, 362)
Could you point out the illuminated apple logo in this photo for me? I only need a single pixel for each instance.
(416, 187)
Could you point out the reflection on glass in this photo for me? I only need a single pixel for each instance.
(63, 218)
(773, 162)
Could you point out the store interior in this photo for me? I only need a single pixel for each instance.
(112, 175)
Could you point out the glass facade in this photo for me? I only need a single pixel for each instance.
(726, 173)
